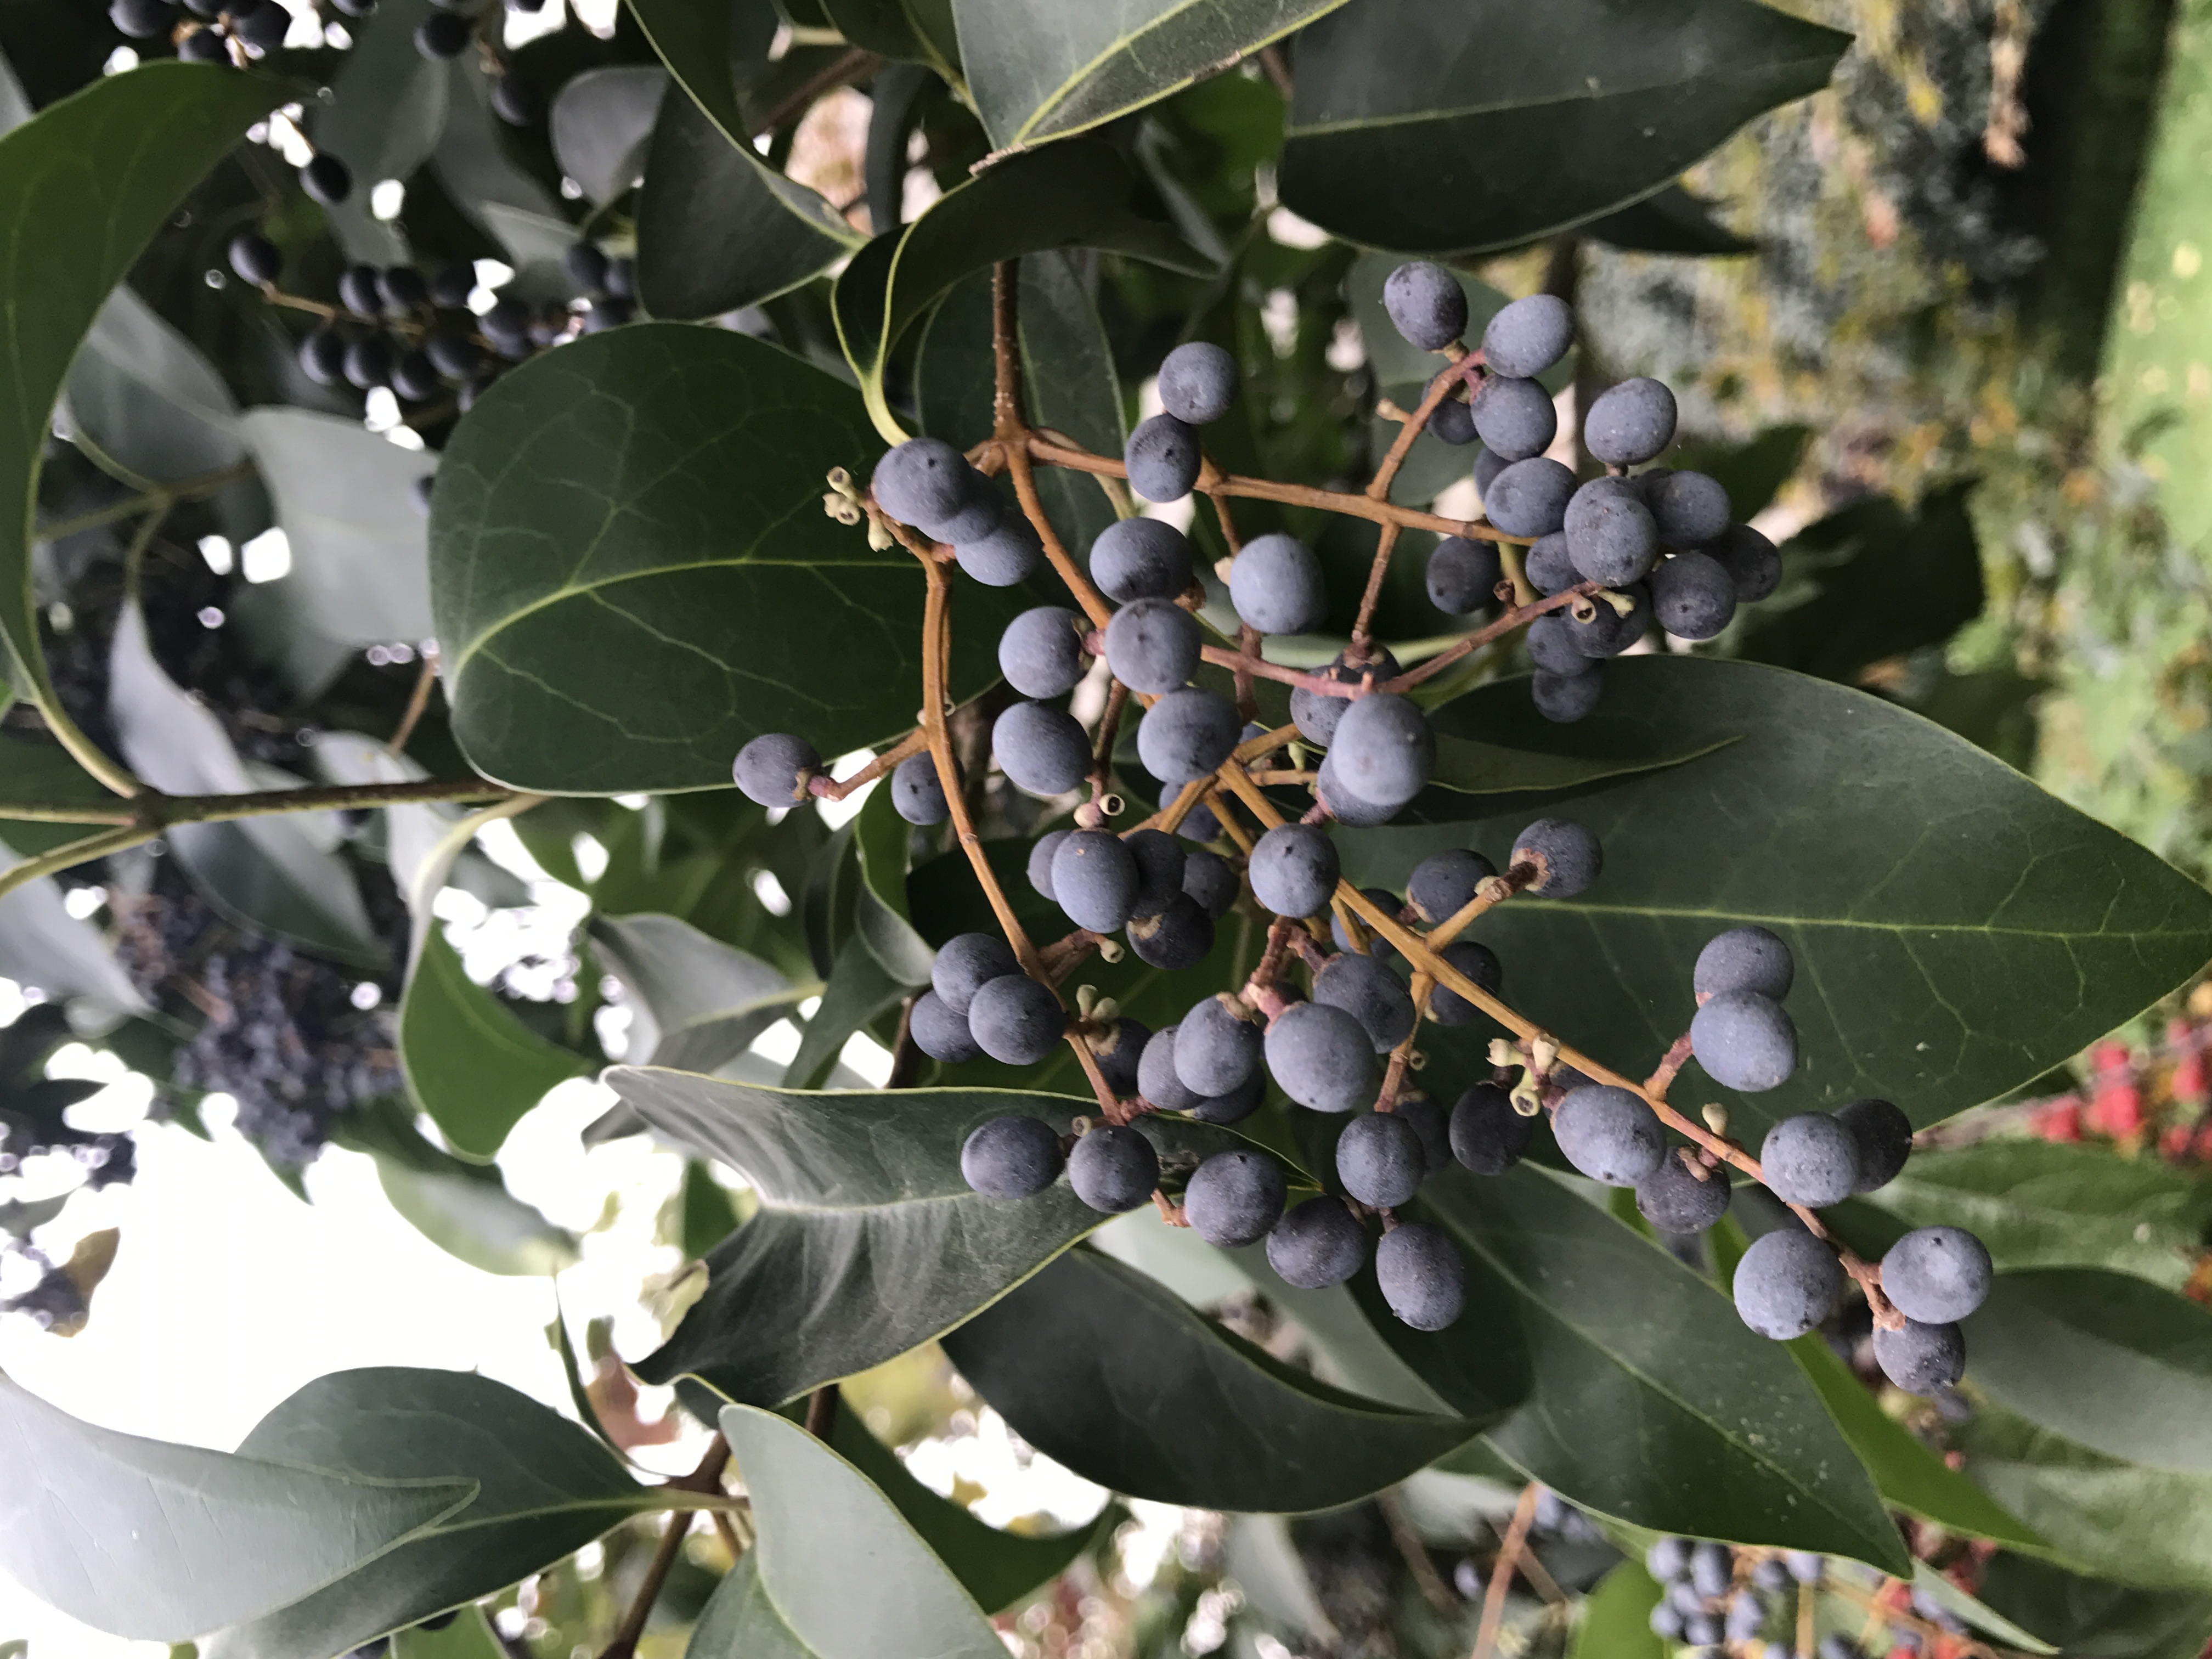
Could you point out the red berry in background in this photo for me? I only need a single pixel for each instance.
(2108, 1057)
(2060, 1121)
(2174, 1143)
(2115, 1108)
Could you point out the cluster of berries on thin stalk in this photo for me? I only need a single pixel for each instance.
(1331, 1013)
(1717, 1600)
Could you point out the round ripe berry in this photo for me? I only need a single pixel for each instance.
(1294, 869)
(1487, 1135)
(452, 283)
(1319, 1057)
(1810, 1159)
(1275, 584)
(1609, 632)
(1370, 993)
(414, 377)
(253, 256)
(586, 263)
(515, 102)
(1317, 712)
(1156, 1075)
(1015, 1020)
(1804, 1566)
(922, 482)
(1383, 748)
(1547, 567)
(1041, 652)
(1316, 1244)
(1746, 1614)
(1197, 382)
(322, 356)
(1883, 1135)
(1199, 824)
(1432, 1124)
(1380, 1160)
(1444, 884)
(1529, 336)
(204, 46)
(1666, 1622)
(1040, 749)
(1162, 457)
(1234, 1198)
(1515, 418)
(1463, 575)
(143, 20)
(1609, 1134)
(1012, 1158)
(1140, 559)
(442, 36)
(1694, 596)
(1114, 1168)
(1937, 1275)
(1425, 303)
(1787, 1283)
(1211, 881)
(1453, 422)
(916, 794)
(1119, 1052)
(1095, 879)
(1160, 861)
(613, 313)
(941, 1032)
(1421, 1275)
(771, 771)
(1567, 857)
(1690, 508)
(1179, 936)
(1008, 553)
(1530, 497)
(966, 964)
(1564, 699)
(1041, 857)
(1152, 646)
(1553, 648)
(507, 325)
(1771, 1576)
(1749, 958)
(1923, 1359)
(1674, 1200)
(1480, 964)
(1669, 1559)
(327, 179)
(1217, 1048)
(1239, 1103)
(1744, 1041)
(1630, 423)
(453, 354)
(1610, 537)
(1378, 947)
(1751, 562)
(368, 362)
(1346, 808)
(357, 290)
(1187, 734)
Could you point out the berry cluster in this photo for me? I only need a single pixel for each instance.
(1330, 1015)
(1713, 1595)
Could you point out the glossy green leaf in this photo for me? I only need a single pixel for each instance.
(2044, 1204)
(696, 1004)
(1670, 221)
(632, 574)
(880, 915)
(1936, 1588)
(1647, 1399)
(1467, 765)
(1616, 1618)
(472, 1065)
(160, 1542)
(146, 397)
(84, 184)
(922, 31)
(997, 1568)
(544, 1487)
(1040, 71)
(600, 123)
(464, 1209)
(859, 1192)
(2092, 1619)
(1437, 129)
(857, 991)
(1072, 195)
(1097, 1366)
(837, 1571)
(1911, 874)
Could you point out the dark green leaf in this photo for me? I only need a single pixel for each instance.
(632, 574)
(468, 1637)
(1466, 766)
(161, 1543)
(1648, 1399)
(997, 1568)
(2090, 1618)
(387, 114)
(472, 1065)
(858, 1191)
(1670, 221)
(83, 186)
(1072, 195)
(858, 990)
(1933, 1586)
(1958, 931)
(838, 1571)
(1040, 71)
(600, 123)
(1616, 1622)
(1437, 129)
(464, 1209)
(545, 1487)
(696, 1004)
(880, 911)
(1752, 473)
(473, 163)
(1854, 562)
(706, 1215)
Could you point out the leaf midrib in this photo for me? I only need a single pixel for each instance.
(1690, 914)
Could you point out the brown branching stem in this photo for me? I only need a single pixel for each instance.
(1501, 1573)
(914, 743)
(708, 1477)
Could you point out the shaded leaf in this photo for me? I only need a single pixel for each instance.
(740, 1621)
(600, 121)
(1753, 472)
(696, 1003)
(160, 1542)
(1095, 1365)
(1466, 766)
(1934, 1586)
(2093, 1620)
(468, 1637)
(387, 114)
(880, 911)
(705, 1213)
(472, 1065)
(1616, 1621)
(143, 393)
(43, 945)
(632, 574)
(1669, 220)
(857, 991)
(509, 204)
(1442, 129)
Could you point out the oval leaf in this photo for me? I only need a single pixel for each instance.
(471, 1064)
(1441, 128)
(387, 114)
(600, 122)
(632, 574)
(146, 395)
(161, 1543)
